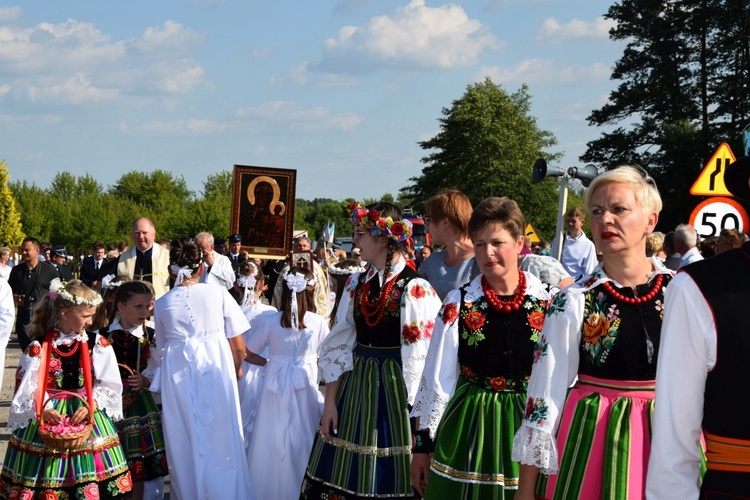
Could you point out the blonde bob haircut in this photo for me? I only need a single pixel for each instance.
(644, 187)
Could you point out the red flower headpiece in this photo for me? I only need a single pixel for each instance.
(400, 230)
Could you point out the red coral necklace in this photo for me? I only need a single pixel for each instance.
(373, 312)
(635, 300)
(505, 306)
(68, 353)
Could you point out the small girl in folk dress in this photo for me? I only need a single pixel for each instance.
(251, 283)
(130, 304)
(62, 361)
(290, 403)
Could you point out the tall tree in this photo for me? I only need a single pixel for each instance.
(487, 145)
(10, 220)
(33, 205)
(683, 89)
(161, 196)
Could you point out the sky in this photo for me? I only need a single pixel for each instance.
(341, 91)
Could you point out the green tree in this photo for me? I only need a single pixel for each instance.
(11, 233)
(314, 215)
(683, 89)
(33, 205)
(487, 145)
(213, 211)
(160, 196)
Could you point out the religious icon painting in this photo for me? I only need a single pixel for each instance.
(263, 210)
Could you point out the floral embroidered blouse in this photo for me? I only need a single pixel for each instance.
(587, 331)
(485, 346)
(65, 374)
(413, 303)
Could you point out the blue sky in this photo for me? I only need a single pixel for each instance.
(341, 90)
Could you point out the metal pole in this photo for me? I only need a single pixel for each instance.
(562, 204)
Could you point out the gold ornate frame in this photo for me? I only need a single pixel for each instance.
(263, 210)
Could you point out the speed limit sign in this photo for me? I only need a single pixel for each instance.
(717, 213)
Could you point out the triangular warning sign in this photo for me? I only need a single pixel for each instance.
(529, 231)
(711, 180)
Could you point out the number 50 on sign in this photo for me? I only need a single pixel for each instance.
(715, 214)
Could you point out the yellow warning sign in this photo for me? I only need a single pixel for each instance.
(529, 231)
(711, 180)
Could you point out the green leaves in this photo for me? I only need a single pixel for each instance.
(487, 146)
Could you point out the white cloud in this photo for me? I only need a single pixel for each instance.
(575, 29)
(4, 89)
(76, 89)
(300, 75)
(296, 117)
(177, 77)
(75, 62)
(415, 36)
(9, 13)
(170, 36)
(541, 71)
(181, 127)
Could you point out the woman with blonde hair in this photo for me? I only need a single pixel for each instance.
(593, 440)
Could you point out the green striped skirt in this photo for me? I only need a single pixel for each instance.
(142, 439)
(371, 454)
(474, 442)
(96, 469)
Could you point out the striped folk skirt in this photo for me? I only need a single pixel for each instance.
(603, 442)
(142, 439)
(474, 442)
(370, 456)
(96, 469)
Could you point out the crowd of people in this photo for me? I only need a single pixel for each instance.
(475, 367)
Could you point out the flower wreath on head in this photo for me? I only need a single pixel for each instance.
(399, 231)
(58, 288)
(110, 282)
(340, 271)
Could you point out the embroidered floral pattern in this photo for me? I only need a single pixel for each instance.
(35, 350)
(449, 313)
(536, 411)
(495, 383)
(558, 304)
(417, 330)
(601, 327)
(474, 320)
(541, 348)
(535, 316)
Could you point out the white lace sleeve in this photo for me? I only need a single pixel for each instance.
(23, 405)
(537, 448)
(336, 352)
(107, 381)
(554, 370)
(420, 304)
(441, 369)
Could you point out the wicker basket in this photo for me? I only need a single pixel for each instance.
(130, 396)
(64, 442)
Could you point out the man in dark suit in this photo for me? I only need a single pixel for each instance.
(29, 281)
(234, 255)
(93, 263)
(58, 259)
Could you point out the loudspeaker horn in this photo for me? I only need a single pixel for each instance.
(585, 174)
(542, 171)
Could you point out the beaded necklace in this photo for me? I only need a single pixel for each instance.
(373, 312)
(635, 300)
(505, 306)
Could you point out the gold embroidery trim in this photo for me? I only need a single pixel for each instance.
(366, 450)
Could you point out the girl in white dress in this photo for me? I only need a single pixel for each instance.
(290, 403)
(197, 379)
(251, 283)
